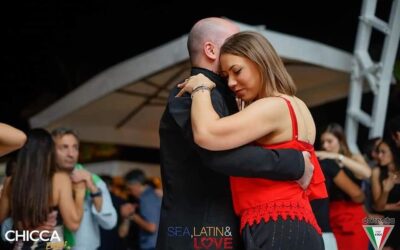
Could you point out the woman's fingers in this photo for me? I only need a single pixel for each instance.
(181, 92)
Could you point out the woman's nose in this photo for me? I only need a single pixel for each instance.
(231, 83)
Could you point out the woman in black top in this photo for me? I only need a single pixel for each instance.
(335, 179)
(386, 188)
(35, 190)
(345, 215)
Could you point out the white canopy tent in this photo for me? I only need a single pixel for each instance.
(124, 104)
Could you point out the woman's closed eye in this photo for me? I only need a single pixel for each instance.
(237, 71)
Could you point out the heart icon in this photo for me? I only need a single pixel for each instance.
(207, 242)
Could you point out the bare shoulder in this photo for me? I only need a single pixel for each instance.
(269, 104)
(300, 102)
(61, 178)
(270, 109)
(302, 105)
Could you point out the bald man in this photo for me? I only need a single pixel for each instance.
(197, 210)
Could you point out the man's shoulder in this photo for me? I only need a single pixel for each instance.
(177, 103)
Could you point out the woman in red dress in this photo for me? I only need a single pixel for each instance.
(274, 214)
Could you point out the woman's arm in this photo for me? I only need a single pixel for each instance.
(144, 224)
(380, 203)
(357, 166)
(10, 139)
(210, 131)
(246, 161)
(349, 187)
(71, 206)
(380, 192)
(392, 206)
(375, 184)
(126, 210)
(123, 228)
(214, 133)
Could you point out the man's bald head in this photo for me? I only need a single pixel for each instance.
(212, 29)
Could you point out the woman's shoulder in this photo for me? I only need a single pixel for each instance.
(270, 102)
(301, 104)
(61, 178)
(299, 100)
(285, 100)
(269, 107)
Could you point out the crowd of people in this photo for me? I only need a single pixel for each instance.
(238, 168)
(48, 191)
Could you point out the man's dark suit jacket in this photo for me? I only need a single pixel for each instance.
(196, 186)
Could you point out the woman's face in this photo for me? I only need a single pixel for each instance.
(374, 152)
(330, 143)
(243, 76)
(385, 156)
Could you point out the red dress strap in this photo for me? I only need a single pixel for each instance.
(295, 133)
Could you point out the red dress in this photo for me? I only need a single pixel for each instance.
(255, 198)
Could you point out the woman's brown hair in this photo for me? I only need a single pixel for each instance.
(337, 131)
(259, 50)
(32, 181)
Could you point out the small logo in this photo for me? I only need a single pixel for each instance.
(204, 237)
(378, 230)
(35, 235)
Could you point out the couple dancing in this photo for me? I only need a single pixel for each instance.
(273, 214)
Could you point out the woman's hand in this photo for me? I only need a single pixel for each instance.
(127, 209)
(193, 82)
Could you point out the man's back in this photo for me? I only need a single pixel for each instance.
(150, 206)
(195, 198)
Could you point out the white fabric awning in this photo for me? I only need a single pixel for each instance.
(123, 104)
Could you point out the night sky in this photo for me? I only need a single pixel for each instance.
(51, 47)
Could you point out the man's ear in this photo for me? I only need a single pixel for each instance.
(210, 50)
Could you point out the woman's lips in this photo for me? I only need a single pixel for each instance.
(239, 92)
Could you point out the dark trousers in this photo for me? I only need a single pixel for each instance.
(282, 234)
